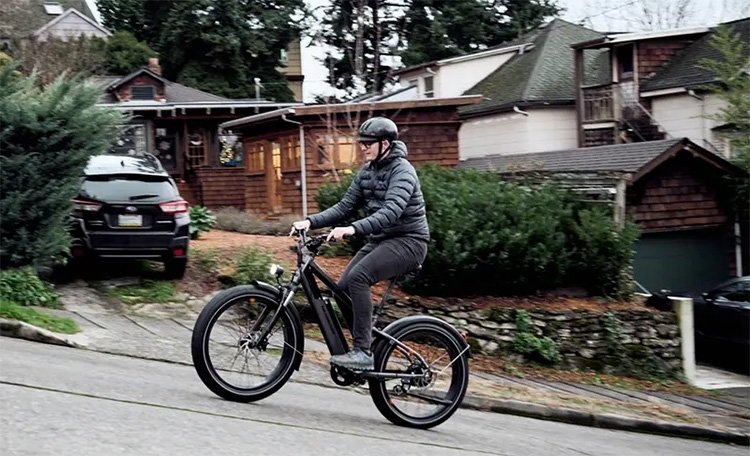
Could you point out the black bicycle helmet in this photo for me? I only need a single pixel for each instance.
(378, 129)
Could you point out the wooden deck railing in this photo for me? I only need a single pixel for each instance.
(599, 104)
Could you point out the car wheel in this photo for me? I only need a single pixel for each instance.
(175, 268)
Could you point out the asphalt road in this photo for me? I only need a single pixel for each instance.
(64, 401)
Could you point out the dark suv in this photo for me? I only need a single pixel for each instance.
(129, 207)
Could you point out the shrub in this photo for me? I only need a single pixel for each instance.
(233, 219)
(22, 286)
(494, 237)
(601, 254)
(253, 264)
(47, 137)
(527, 343)
(201, 221)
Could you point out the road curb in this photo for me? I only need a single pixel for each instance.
(604, 420)
(23, 330)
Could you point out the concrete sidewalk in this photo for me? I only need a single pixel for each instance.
(722, 416)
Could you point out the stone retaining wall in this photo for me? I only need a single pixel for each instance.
(628, 342)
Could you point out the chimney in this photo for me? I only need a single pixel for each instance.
(153, 65)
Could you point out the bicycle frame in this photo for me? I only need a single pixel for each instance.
(305, 276)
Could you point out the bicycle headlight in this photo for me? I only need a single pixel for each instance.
(276, 270)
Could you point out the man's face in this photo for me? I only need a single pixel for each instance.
(370, 149)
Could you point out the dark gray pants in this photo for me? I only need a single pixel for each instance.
(376, 261)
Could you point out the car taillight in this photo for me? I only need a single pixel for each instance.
(174, 207)
(86, 206)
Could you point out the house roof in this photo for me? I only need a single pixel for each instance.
(622, 38)
(174, 92)
(637, 158)
(178, 96)
(21, 18)
(68, 13)
(369, 107)
(540, 76)
(509, 46)
(683, 70)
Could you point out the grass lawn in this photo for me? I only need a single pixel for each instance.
(34, 317)
(148, 291)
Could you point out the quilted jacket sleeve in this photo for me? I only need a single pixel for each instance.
(340, 211)
(400, 189)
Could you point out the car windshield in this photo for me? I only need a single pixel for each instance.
(127, 188)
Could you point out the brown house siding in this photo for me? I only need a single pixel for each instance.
(677, 196)
(431, 136)
(123, 92)
(221, 187)
(655, 53)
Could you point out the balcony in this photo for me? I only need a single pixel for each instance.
(599, 104)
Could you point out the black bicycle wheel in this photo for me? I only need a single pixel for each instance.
(441, 376)
(229, 358)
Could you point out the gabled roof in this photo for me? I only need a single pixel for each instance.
(637, 158)
(540, 76)
(683, 70)
(175, 92)
(68, 13)
(20, 18)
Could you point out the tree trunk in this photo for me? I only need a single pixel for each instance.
(376, 76)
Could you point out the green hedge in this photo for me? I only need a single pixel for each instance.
(47, 135)
(495, 237)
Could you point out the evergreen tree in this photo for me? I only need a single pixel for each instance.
(367, 38)
(124, 53)
(731, 71)
(733, 86)
(437, 29)
(46, 137)
(219, 46)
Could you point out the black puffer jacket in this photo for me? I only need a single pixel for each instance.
(390, 193)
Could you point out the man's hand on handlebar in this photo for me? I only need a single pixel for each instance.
(340, 232)
(301, 225)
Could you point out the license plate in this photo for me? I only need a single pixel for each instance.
(130, 220)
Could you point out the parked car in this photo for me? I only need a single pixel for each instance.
(129, 207)
(722, 324)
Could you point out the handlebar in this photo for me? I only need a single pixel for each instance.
(312, 243)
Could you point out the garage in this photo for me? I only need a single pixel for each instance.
(685, 261)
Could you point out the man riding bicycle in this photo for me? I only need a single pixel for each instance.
(388, 188)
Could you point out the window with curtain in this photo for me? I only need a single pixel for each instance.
(197, 150)
(255, 156)
(339, 150)
(291, 157)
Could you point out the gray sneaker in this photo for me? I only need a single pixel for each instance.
(356, 359)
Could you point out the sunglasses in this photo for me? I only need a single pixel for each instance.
(366, 144)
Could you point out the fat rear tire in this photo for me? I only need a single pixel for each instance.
(384, 399)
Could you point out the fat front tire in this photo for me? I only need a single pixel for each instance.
(428, 400)
(227, 357)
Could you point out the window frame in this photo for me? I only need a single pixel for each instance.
(145, 86)
(255, 156)
(429, 93)
(328, 141)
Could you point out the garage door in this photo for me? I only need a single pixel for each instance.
(690, 261)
